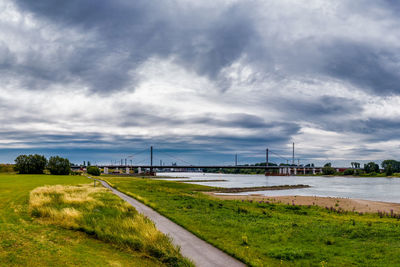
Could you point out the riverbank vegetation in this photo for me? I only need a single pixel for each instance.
(261, 233)
(29, 241)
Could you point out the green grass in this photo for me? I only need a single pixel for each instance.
(263, 234)
(24, 241)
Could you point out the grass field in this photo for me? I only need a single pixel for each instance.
(265, 234)
(42, 241)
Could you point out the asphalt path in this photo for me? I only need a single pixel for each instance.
(196, 249)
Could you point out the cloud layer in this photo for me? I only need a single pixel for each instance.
(200, 80)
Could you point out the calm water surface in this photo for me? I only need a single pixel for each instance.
(378, 189)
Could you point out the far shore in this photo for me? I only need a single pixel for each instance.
(347, 204)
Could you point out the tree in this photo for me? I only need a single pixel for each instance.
(59, 166)
(328, 164)
(389, 169)
(93, 170)
(371, 167)
(30, 164)
(394, 164)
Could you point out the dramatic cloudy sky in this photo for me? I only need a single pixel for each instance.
(200, 80)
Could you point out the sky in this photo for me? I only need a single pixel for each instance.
(200, 81)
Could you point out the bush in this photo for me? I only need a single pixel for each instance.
(6, 168)
(93, 170)
(59, 166)
(359, 172)
(349, 172)
(327, 170)
(31, 164)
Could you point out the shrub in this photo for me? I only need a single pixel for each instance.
(349, 172)
(328, 170)
(93, 170)
(59, 166)
(6, 168)
(359, 172)
(30, 164)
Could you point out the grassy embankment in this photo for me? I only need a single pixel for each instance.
(266, 234)
(44, 239)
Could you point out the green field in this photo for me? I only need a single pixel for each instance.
(264, 234)
(31, 241)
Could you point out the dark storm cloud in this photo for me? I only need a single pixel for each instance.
(312, 109)
(369, 68)
(128, 33)
(233, 120)
(206, 40)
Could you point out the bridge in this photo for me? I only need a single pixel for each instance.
(283, 169)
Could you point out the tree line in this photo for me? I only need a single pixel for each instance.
(36, 164)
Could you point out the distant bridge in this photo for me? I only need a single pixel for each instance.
(287, 169)
(199, 167)
(282, 170)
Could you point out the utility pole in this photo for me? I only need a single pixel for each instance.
(293, 155)
(151, 159)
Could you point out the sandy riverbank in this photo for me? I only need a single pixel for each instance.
(347, 204)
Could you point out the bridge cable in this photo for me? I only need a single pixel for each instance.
(175, 157)
(279, 156)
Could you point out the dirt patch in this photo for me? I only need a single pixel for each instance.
(358, 205)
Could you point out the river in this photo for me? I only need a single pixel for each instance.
(371, 188)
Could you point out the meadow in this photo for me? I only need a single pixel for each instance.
(268, 234)
(50, 220)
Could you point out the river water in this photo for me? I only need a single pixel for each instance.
(378, 189)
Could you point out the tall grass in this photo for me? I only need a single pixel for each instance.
(97, 212)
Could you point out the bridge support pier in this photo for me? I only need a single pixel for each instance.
(128, 170)
(295, 171)
(304, 171)
(105, 170)
(313, 171)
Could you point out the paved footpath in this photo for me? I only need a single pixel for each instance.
(199, 251)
